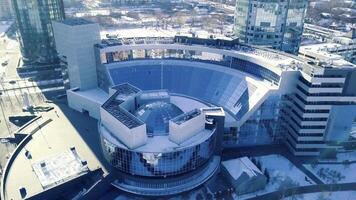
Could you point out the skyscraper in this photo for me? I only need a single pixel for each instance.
(35, 34)
(272, 23)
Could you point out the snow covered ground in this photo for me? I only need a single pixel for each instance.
(350, 156)
(283, 174)
(334, 173)
(345, 195)
(4, 25)
(3, 28)
(342, 157)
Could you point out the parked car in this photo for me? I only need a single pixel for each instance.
(4, 63)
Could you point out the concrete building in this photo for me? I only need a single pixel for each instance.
(132, 2)
(75, 39)
(330, 44)
(53, 161)
(34, 23)
(329, 52)
(243, 175)
(322, 33)
(274, 24)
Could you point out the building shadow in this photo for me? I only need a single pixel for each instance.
(85, 126)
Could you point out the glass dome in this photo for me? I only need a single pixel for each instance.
(156, 115)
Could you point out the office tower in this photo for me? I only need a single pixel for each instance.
(5, 9)
(75, 39)
(34, 22)
(270, 23)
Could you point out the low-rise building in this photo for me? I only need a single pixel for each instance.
(243, 175)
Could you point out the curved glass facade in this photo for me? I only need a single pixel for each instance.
(178, 161)
(189, 55)
(168, 186)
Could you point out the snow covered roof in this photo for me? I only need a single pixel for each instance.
(97, 94)
(325, 52)
(239, 166)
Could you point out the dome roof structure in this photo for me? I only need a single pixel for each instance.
(156, 115)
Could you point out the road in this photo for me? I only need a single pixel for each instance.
(13, 87)
(306, 189)
(9, 50)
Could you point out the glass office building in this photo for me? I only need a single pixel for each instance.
(34, 22)
(272, 23)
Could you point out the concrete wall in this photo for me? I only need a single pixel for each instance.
(340, 122)
(76, 43)
(81, 103)
(132, 138)
(186, 130)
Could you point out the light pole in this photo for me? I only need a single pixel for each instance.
(161, 75)
(40, 129)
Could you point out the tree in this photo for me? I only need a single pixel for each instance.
(322, 197)
(258, 165)
(288, 183)
(266, 173)
(199, 196)
(209, 196)
(185, 195)
(253, 160)
(314, 164)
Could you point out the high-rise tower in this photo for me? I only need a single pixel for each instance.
(34, 22)
(272, 23)
(75, 39)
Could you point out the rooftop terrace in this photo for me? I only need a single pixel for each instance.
(112, 105)
(129, 120)
(186, 116)
(213, 111)
(125, 89)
